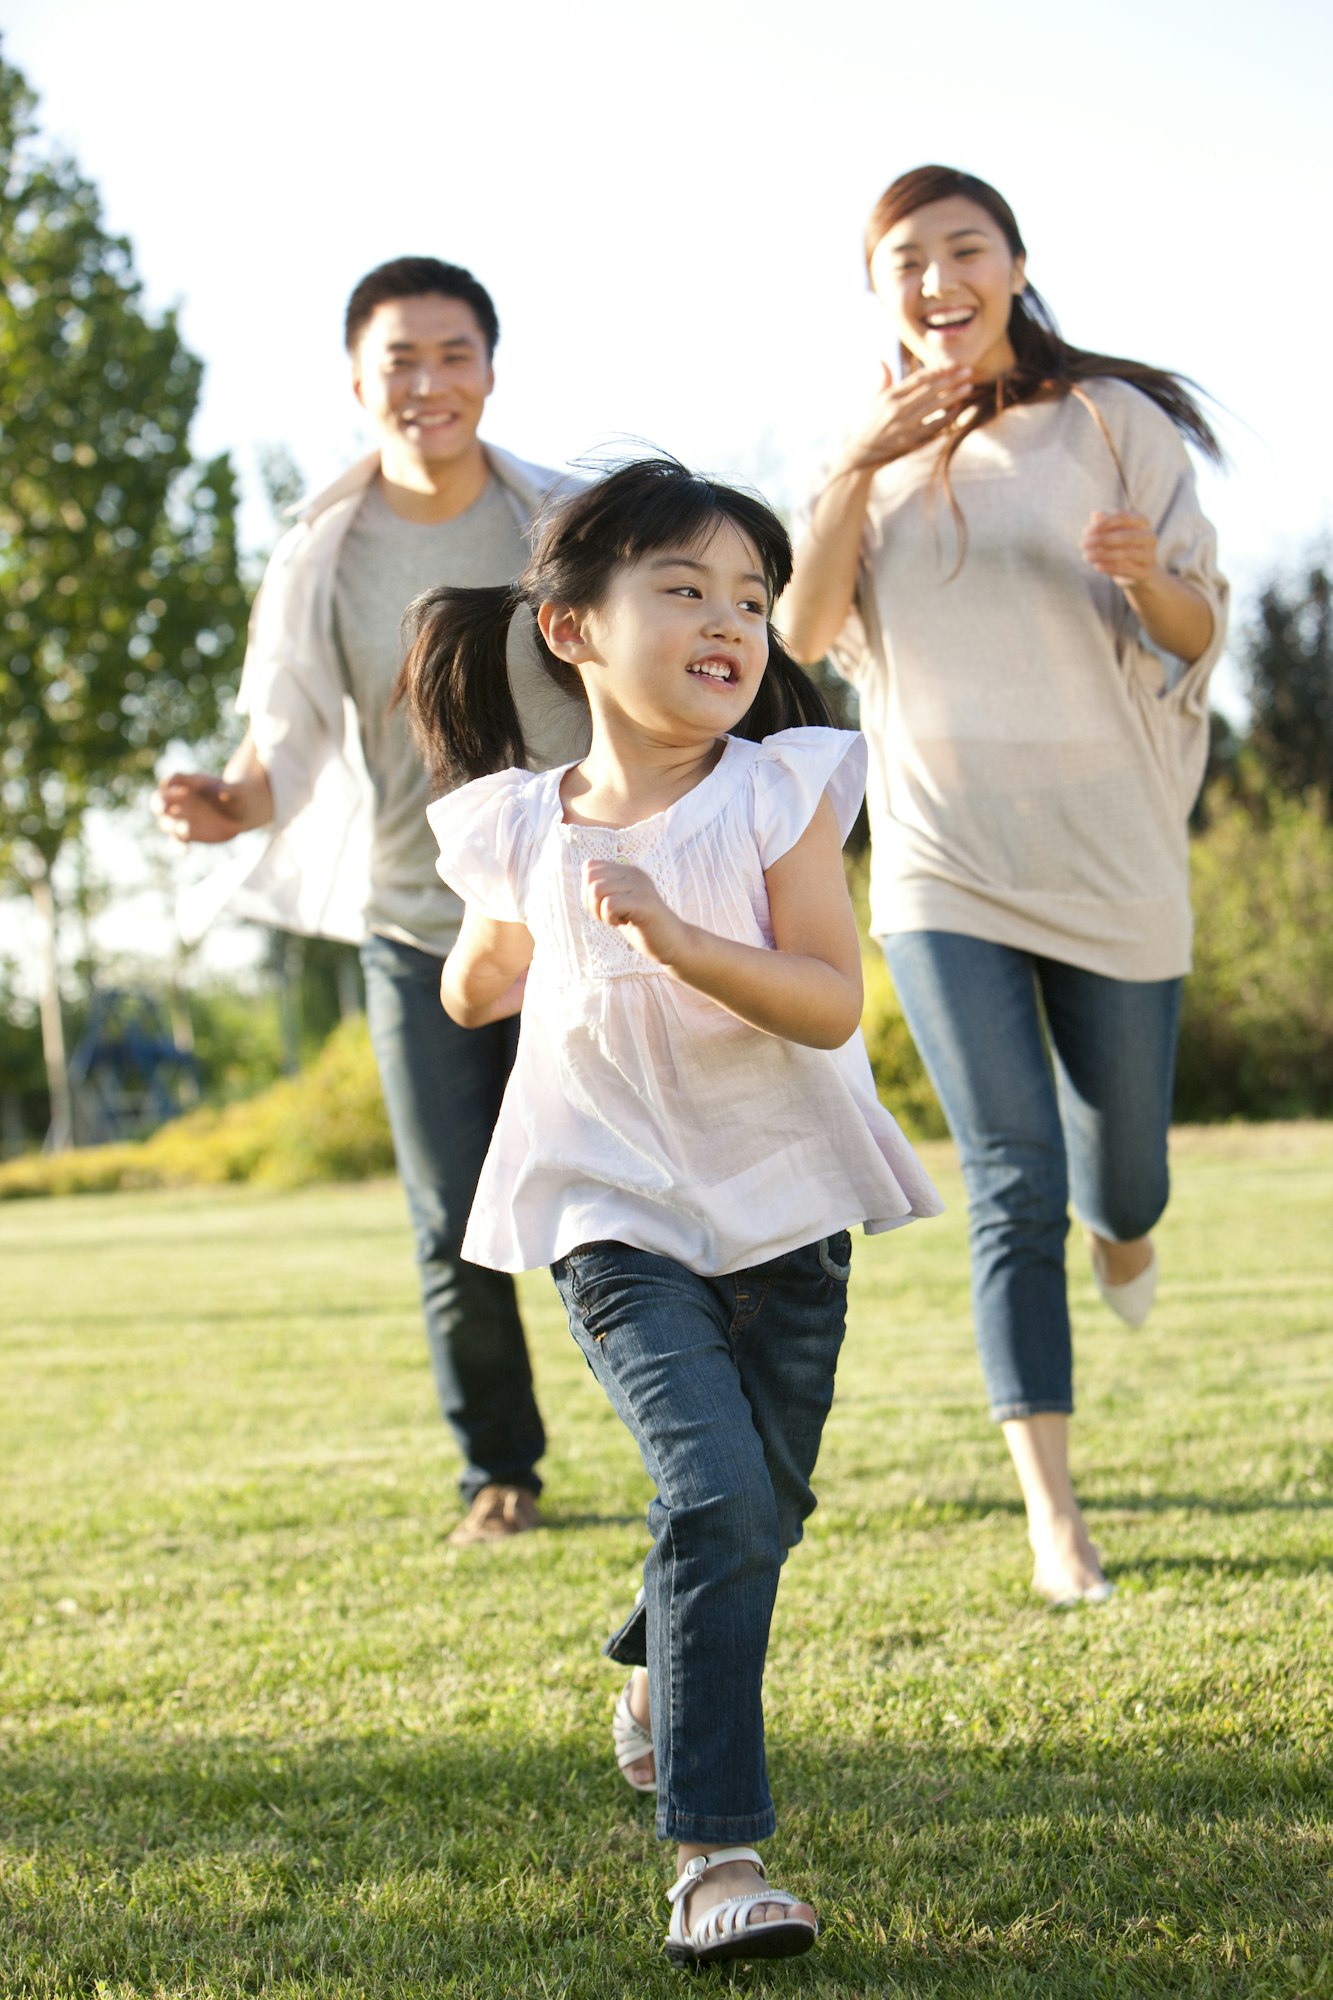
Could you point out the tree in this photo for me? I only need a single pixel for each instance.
(125, 615)
(1288, 664)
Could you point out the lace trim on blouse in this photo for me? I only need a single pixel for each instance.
(605, 953)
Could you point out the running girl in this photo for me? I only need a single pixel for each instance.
(691, 1126)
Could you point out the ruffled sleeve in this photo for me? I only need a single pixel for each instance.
(486, 842)
(792, 772)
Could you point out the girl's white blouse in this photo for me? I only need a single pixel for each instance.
(639, 1110)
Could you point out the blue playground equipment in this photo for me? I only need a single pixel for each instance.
(127, 1076)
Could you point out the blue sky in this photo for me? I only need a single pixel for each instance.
(667, 204)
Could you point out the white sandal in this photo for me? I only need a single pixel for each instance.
(724, 1931)
(632, 1742)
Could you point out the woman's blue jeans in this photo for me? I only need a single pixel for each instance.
(1056, 1083)
(725, 1384)
(443, 1085)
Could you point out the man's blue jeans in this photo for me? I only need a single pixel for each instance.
(443, 1085)
(1056, 1083)
(725, 1384)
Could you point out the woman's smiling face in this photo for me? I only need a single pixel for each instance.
(947, 274)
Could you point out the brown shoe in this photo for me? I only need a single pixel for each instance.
(497, 1513)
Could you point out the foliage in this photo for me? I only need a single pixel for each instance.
(263, 1733)
(118, 561)
(237, 1033)
(23, 1099)
(900, 1075)
(328, 1123)
(1256, 1037)
(1287, 661)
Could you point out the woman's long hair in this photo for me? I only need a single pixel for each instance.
(1045, 366)
(454, 684)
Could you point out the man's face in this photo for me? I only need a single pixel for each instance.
(422, 374)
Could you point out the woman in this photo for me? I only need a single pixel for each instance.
(1009, 564)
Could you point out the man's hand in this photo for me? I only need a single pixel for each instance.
(193, 806)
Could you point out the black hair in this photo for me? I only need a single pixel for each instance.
(419, 278)
(454, 682)
(1046, 366)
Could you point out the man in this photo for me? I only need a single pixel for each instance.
(338, 780)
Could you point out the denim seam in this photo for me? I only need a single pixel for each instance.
(1004, 1413)
(741, 1828)
(741, 1321)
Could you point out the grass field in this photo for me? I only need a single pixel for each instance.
(261, 1733)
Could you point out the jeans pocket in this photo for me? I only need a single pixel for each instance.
(591, 1278)
(835, 1256)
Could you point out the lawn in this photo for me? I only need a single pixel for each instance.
(262, 1733)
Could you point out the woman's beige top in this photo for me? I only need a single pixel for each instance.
(1033, 758)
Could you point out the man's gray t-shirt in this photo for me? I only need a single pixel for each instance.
(384, 563)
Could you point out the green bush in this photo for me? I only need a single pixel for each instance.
(900, 1076)
(1256, 1037)
(1256, 1034)
(327, 1124)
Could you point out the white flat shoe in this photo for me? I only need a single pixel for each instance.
(1096, 1593)
(724, 1931)
(1132, 1301)
(632, 1742)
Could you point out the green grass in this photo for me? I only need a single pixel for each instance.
(262, 1733)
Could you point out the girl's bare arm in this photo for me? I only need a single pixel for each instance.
(808, 990)
(484, 974)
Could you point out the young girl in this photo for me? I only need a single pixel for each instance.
(691, 1125)
(1010, 563)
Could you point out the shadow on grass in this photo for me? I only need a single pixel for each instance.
(924, 1512)
(486, 1867)
(561, 1523)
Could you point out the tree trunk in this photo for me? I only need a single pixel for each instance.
(59, 1134)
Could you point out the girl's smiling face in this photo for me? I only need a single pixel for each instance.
(678, 645)
(947, 274)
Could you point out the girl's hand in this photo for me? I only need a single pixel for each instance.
(626, 898)
(1121, 546)
(905, 413)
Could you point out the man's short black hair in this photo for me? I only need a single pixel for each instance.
(416, 278)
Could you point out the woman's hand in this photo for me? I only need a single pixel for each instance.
(1121, 546)
(904, 414)
(627, 899)
(1174, 614)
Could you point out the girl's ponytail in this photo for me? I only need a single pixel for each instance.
(454, 683)
(787, 699)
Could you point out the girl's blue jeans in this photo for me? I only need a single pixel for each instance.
(725, 1384)
(1056, 1084)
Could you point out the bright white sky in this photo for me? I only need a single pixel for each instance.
(666, 203)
